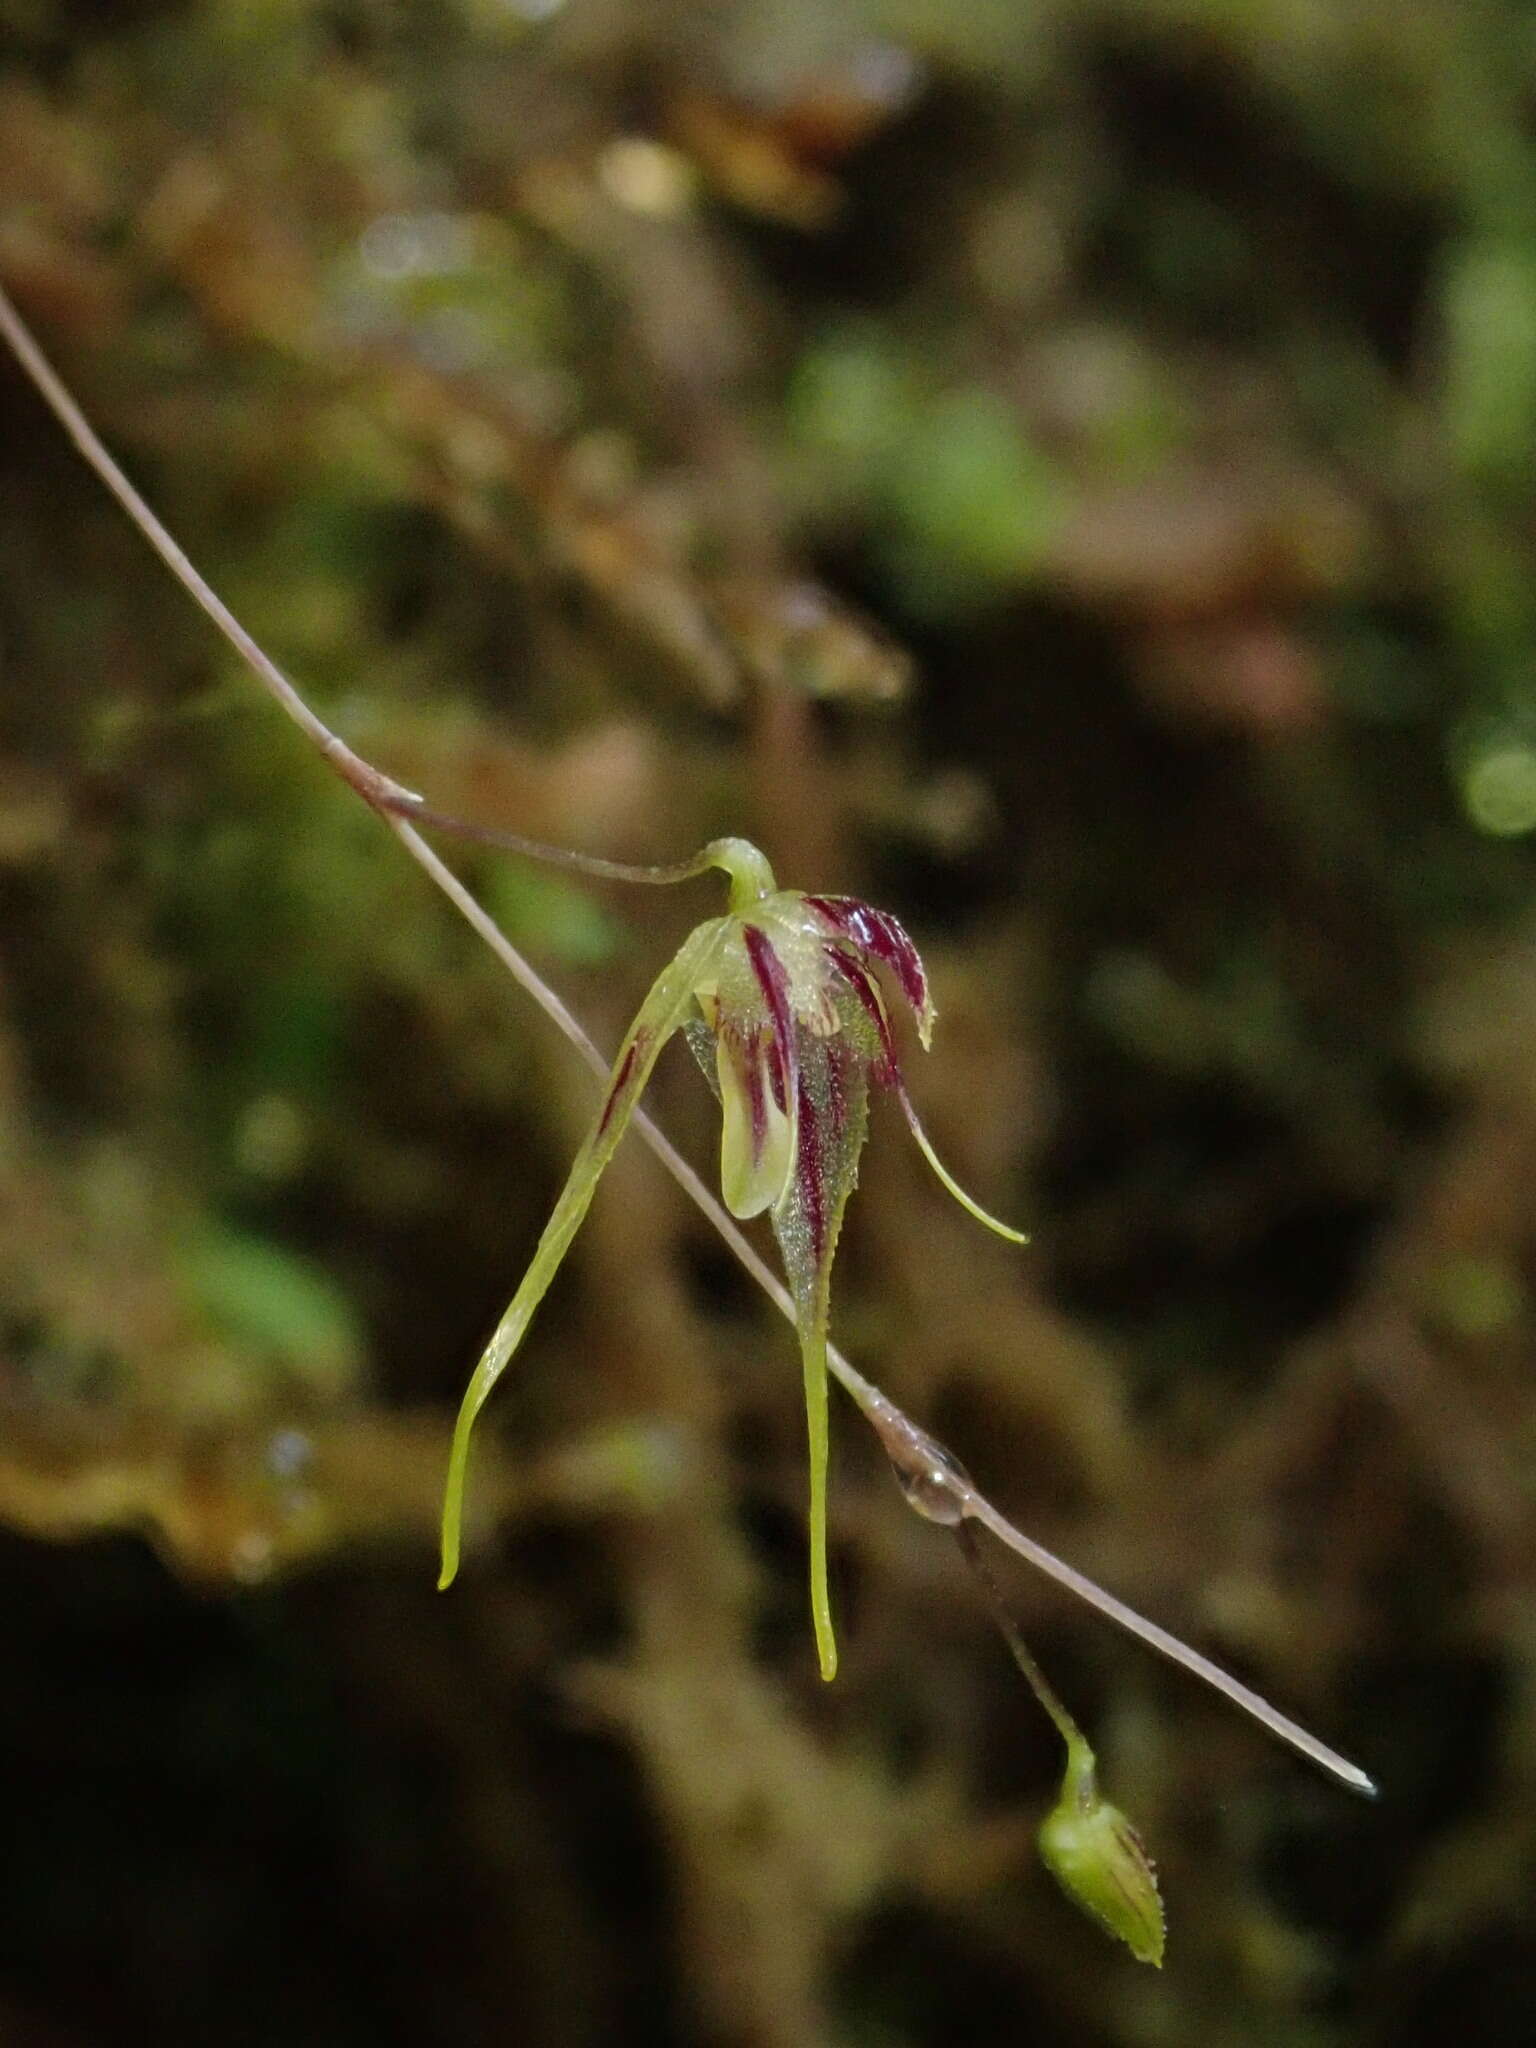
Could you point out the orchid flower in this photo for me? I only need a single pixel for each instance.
(784, 1002)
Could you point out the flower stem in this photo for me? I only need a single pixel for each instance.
(1023, 1656)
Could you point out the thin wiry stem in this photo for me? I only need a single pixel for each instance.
(904, 1442)
(1013, 1635)
(552, 856)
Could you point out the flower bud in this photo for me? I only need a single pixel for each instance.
(1097, 1858)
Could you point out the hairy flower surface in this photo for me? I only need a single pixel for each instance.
(783, 1001)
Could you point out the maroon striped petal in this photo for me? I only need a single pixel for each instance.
(881, 937)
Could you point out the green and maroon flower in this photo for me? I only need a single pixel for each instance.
(783, 1001)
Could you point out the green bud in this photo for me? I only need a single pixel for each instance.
(1097, 1858)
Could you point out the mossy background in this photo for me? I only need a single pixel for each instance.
(1066, 471)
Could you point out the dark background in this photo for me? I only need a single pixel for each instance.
(1062, 471)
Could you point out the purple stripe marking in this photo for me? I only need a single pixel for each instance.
(774, 983)
(621, 1078)
(887, 1073)
(755, 1096)
(879, 934)
(808, 1175)
(776, 1083)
